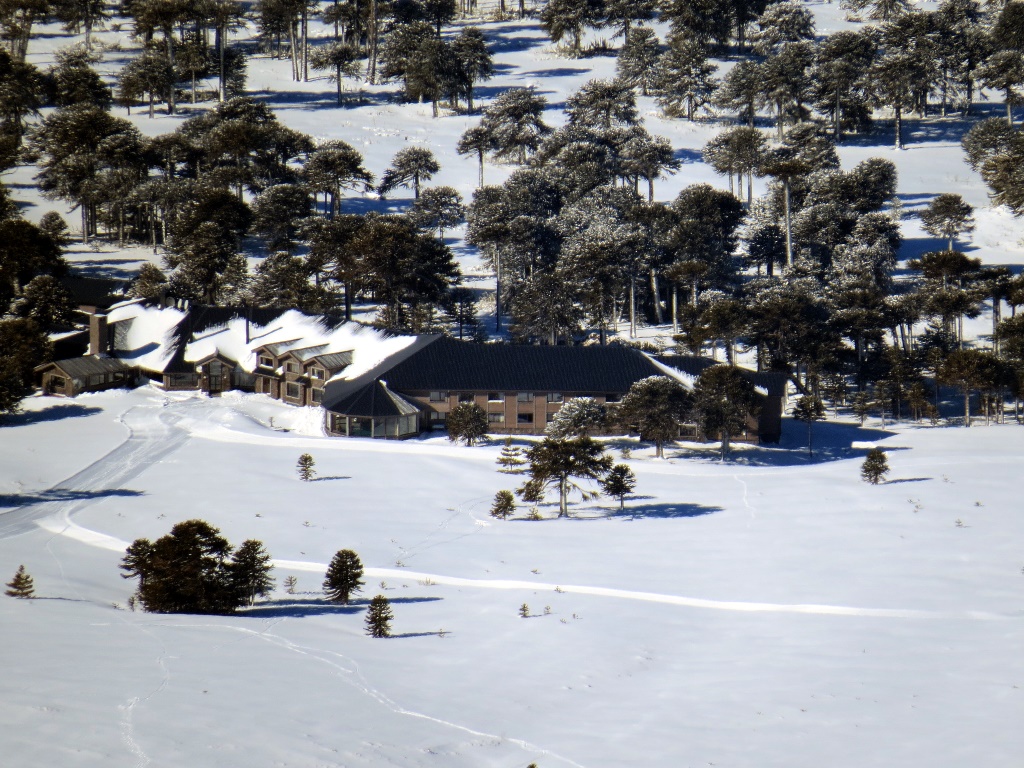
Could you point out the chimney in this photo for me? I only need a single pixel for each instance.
(99, 338)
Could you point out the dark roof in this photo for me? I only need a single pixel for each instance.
(374, 400)
(448, 364)
(772, 382)
(102, 292)
(81, 367)
(201, 318)
(335, 360)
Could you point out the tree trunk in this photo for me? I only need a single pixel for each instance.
(899, 127)
(675, 309)
(658, 314)
(563, 497)
(789, 225)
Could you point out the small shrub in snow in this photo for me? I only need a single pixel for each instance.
(524, 611)
(21, 585)
(875, 466)
(306, 467)
(344, 576)
(290, 582)
(511, 459)
(504, 504)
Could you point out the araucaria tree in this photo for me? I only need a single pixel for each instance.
(875, 466)
(808, 410)
(409, 168)
(379, 617)
(723, 402)
(344, 576)
(554, 463)
(191, 570)
(504, 504)
(618, 482)
(511, 458)
(655, 407)
(306, 467)
(21, 585)
(468, 422)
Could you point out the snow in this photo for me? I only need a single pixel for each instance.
(771, 610)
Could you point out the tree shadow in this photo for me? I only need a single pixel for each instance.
(51, 413)
(416, 634)
(664, 511)
(10, 500)
(301, 608)
(899, 480)
(331, 477)
(555, 72)
(687, 156)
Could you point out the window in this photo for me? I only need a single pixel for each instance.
(465, 397)
(551, 417)
(438, 397)
(495, 418)
(318, 373)
(292, 367)
(554, 397)
(266, 362)
(216, 368)
(318, 396)
(438, 416)
(291, 391)
(613, 398)
(495, 397)
(525, 397)
(524, 418)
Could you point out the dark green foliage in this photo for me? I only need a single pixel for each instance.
(306, 467)
(438, 208)
(514, 123)
(947, 216)
(190, 570)
(46, 301)
(504, 504)
(638, 58)
(206, 265)
(554, 463)
(875, 466)
(683, 82)
(26, 252)
(723, 403)
(409, 167)
(150, 74)
(277, 213)
(250, 569)
(808, 410)
(338, 58)
(23, 346)
(619, 481)
(379, 617)
(563, 19)
(21, 585)
(511, 459)
(577, 417)
(468, 422)
(150, 283)
(344, 576)
(335, 166)
(655, 407)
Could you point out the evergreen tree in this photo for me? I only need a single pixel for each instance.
(569, 19)
(250, 569)
(808, 410)
(948, 216)
(875, 466)
(46, 301)
(723, 402)
(1004, 71)
(511, 459)
(278, 212)
(892, 79)
(477, 140)
(340, 59)
(73, 81)
(306, 467)
(841, 65)
(741, 90)
(206, 265)
(379, 617)
(468, 422)
(638, 58)
(344, 577)
(781, 23)
(619, 481)
(21, 585)
(622, 14)
(409, 167)
(965, 369)
(504, 504)
(684, 82)
(655, 407)
(557, 462)
(150, 74)
(23, 346)
(474, 62)
(577, 417)
(882, 10)
(602, 105)
(514, 123)
(440, 208)
(335, 166)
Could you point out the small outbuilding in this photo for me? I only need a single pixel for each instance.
(374, 411)
(85, 374)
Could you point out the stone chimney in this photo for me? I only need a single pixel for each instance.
(99, 338)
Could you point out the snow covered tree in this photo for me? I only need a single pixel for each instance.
(344, 576)
(277, 213)
(948, 216)
(339, 59)
(150, 74)
(335, 166)
(21, 585)
(741, 89)
(875, 466)
(638, 58)
(602, 104)
(577, 417)
(514, 123)
(619, 481)
(655, 407)
(808, 410)
(250, 569)
(479, 141)
(306, 467)
(841, 65)
(569, 19)
(409, 167)
(881, 10)
(892, 79)
(379, 617)
(473, 62)
(504, 504)
(784, 22)
(511, 458)
(206, 265)
(723, 401)
(683, 80)
(554, 463)
(439, 208)
(468, 422)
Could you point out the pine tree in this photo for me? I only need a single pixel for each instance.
(289, 583)
(514, 123)
(618, 482)
(557, 462)
(875, 466)
(638, 58)
(467, 421)
(504, 504)
(344, 576)
(250, 569)
(948, 216)
(338, 58)
(21, 585)
(379, 617)
(440, 208)
(409, 167)
(808, 410)
(683, 80)
(511, 459)
(861, 406)
(723, 401)
(577, 417)
(655, 407)
(306, 467)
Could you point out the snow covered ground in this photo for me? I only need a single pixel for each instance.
(771, 611)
